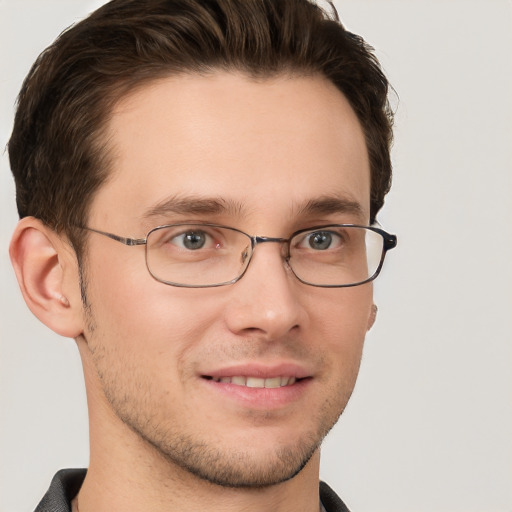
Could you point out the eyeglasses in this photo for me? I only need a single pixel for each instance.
(207, 255)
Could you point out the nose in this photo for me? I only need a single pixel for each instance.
(266, 301)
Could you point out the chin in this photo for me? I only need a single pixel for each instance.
(242, 469)
(239, 464)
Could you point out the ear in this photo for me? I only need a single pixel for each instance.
(47, 271)
(372, 317)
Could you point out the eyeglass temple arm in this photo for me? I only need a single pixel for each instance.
(122, 239)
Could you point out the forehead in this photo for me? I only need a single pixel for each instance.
(267, 145)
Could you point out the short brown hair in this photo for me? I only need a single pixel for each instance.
(58, 149)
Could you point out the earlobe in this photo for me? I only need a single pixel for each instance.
(43, 264)
(372, 317)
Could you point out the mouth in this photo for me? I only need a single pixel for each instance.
(260, 386)
(256, 382)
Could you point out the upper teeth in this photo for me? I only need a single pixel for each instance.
(257, 382)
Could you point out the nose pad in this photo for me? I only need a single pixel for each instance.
(244, 255)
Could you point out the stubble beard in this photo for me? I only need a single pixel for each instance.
(231, 466)
(233, 469)
(217, 461)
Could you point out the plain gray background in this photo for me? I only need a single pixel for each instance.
(429, 427)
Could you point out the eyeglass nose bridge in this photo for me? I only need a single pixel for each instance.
(255, 240)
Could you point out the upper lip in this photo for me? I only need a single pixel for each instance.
(263, 371)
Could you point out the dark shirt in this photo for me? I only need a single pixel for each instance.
(67, 482)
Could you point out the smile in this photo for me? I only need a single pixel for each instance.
(257, 382)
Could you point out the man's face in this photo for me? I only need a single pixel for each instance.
(267, 157)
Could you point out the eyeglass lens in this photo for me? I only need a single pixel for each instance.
(206, 255)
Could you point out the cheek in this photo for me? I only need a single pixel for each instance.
(343, 312)
(340, 317)
(144, 317)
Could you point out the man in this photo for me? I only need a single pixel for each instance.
(198, 184)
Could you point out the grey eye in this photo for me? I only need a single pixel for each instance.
(193, 240)
(320, 240)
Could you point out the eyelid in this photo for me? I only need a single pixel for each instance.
(328, 228)
(166, 222)
(187, 228)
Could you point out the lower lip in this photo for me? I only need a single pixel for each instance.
(260, 398)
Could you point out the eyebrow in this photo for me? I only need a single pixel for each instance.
(328, 205)
(193, 205)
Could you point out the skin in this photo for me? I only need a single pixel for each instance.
(164, 437)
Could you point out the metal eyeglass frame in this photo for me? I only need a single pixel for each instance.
(390, 242)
